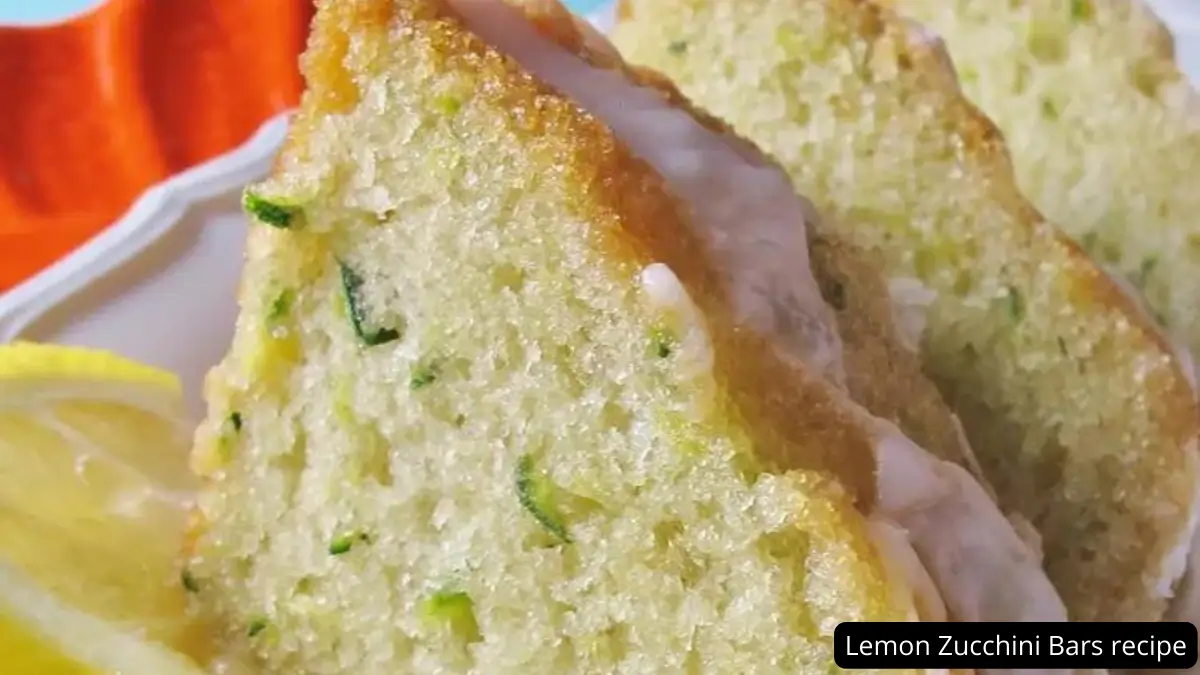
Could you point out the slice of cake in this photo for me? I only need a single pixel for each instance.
(1078, 409)
(1105, 138)
(520, 385)
(483, 405)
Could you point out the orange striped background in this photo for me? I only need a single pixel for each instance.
(95, 111)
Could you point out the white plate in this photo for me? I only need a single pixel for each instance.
(159, 285)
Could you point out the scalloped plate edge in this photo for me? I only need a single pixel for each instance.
(152, 216)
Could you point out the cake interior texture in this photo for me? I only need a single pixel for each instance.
(471, 420)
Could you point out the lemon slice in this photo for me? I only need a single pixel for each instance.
(95, 486)
(39, 635)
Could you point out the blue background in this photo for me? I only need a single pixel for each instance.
(46, 11)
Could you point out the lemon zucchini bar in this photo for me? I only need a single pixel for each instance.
(485, 406)
(1079, 410)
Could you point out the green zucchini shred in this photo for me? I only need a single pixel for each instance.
(1081, 10)
(1015, 304)
(342, 544)
(280, 216)
(343, 408)
(662, 342)
(257, 625)
(230, 430)
(280, 307)
(352, 284)
(538, 496)
(677, 47)
(1149, 264)
(189, 581)
(1049, 110)
(448, 104)
(424, 375)
(1089, 240)
(454, 608)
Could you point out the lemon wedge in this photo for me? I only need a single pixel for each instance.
(95, 488)
(40, 635)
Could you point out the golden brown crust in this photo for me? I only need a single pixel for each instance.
(1177, 417)
(628, 203)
